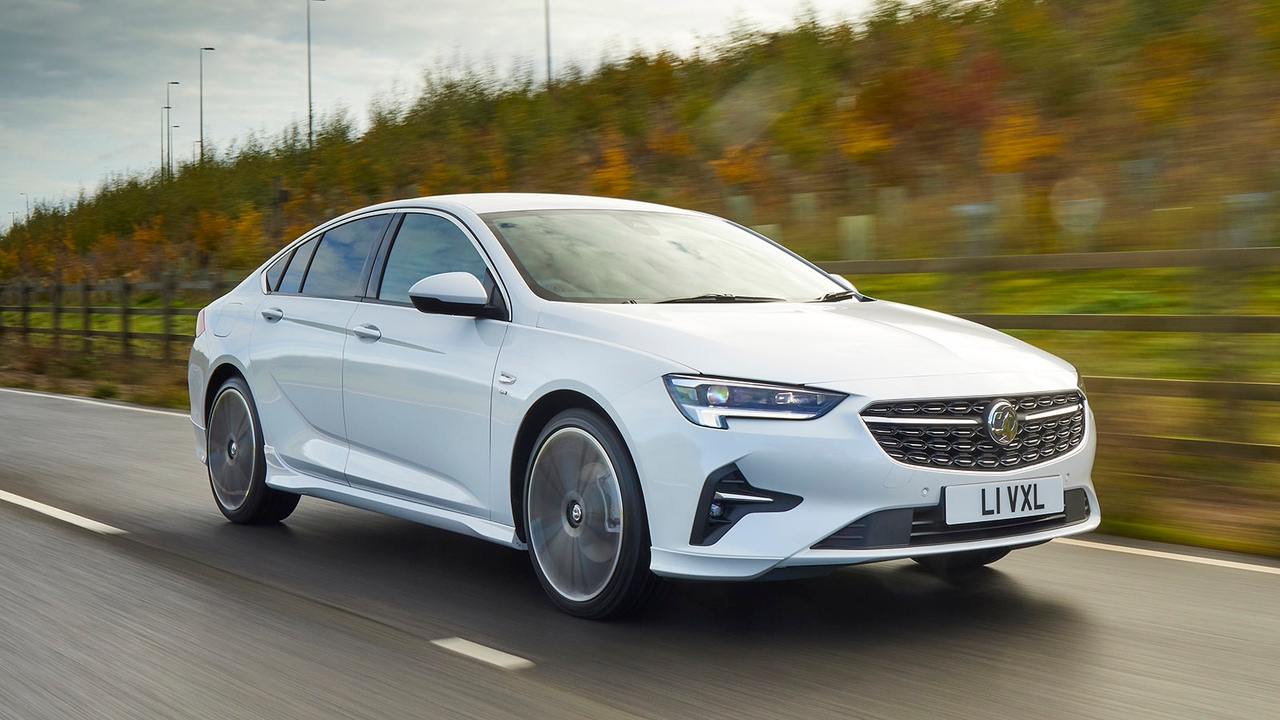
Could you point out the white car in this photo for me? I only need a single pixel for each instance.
(629, 391)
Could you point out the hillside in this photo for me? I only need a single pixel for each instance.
(1154, 105)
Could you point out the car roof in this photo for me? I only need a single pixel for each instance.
(482, 203)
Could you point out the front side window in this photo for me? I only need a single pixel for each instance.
(428, 245)
(339, 262)
(645, 257)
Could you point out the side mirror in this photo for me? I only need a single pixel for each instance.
(454, 293)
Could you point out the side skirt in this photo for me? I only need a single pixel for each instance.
(282, 477)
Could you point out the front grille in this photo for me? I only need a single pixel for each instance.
(913, 527)
(953, 433)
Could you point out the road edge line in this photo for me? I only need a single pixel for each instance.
(93, 401)
(59, 514)
(1195, 559)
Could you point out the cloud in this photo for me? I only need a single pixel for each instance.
(84, 80)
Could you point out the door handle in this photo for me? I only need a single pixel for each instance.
(366, 332)
(273, 314)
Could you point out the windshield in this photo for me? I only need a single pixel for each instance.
(645, 257)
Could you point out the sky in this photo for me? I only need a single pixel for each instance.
(82, 82)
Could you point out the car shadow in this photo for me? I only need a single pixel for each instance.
(405, 570)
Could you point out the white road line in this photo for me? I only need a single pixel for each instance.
(99, 403)
(62, 515)
(476, 651)
(1265, 569)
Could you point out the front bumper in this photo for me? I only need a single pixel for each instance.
(835, 465)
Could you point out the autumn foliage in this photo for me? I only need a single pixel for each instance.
(933, 97)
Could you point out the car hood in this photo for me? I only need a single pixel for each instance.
(805, 343)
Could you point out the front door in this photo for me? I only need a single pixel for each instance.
(416, 386)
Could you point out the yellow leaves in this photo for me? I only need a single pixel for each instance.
(676, 143)
(1165, 82)
(740, 165)
(861, 138)
(615, 177)
(248, 242)
(210, 231)
(1016, 139)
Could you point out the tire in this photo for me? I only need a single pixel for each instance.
(959, 564)
(585, 518)
(237, 467)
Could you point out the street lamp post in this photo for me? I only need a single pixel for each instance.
(172, 162)
(168, 106)
(309, 105)
(546, 11)
(203, 50)
(28, 199)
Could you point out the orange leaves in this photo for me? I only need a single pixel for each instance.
(1167, 78)
(211, 230)
(615, 176)
(248, 241)
(861, 138)
(673, 143)
(741, 164)
(1015, 139)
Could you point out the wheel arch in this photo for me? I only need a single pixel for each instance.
(536, 418)
(220, 374)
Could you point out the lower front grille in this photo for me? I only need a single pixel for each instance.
(922, 526)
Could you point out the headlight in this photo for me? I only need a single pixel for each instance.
(709, 401)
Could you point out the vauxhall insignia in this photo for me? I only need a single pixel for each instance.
(1002, 422)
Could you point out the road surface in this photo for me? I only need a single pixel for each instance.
(337, 612)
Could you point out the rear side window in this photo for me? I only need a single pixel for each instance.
(292, 281)
(427, 245)
(275, 271)
(339, 262)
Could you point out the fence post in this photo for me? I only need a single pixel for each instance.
(84, 315)
(124, 316)
(23, 303)
(166, 320)
(57, 313)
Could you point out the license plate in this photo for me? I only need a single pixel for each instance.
(1003, 500)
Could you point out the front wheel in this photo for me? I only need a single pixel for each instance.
(237, 468)
(958, 564)
(588, 536)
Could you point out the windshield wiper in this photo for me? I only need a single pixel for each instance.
(838, 296)
(721, 297)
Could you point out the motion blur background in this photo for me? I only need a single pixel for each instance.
(1059, 129)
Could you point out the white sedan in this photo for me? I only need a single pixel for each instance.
(628, 391)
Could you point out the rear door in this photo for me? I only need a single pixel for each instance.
(295, 367)
(417, 386)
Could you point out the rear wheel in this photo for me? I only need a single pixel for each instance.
(237, 468)
(588, 535)
(960, 563)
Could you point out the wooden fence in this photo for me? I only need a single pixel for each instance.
(26, 300)
(77, 300)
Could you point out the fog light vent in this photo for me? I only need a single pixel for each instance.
(726, 498)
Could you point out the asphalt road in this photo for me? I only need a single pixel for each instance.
(333, 614)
